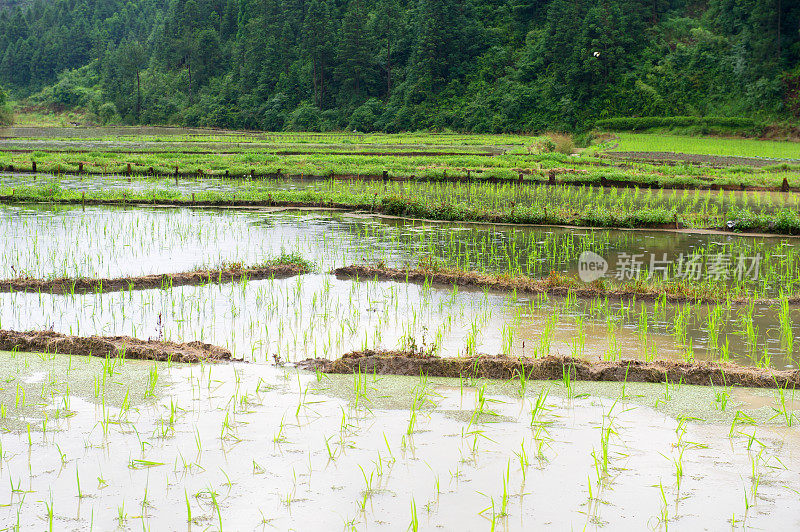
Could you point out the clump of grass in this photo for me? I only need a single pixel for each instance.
(291, 258)
(561, 143)
(281, 260)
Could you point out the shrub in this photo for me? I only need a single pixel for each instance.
(6, 116)
(583, 140)
(562, 143)
(365, 118)
(305, 118)
(791, 83)
(640, 123)
(108, 112)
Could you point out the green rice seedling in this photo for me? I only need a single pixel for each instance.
(738, 419)
(566, 380)
(62, 456)
(412, 418)
(522, 380)
(755, 475)
(787, 333)
(507, 339)
(78, 480)
(121, 515)
(50, 513)
(152, 381)
(138, 463)
(721, 398)
(522, 457)
(725, 350)
(605, 439)
(782, 410)
(188, 506)
(664, 517)
(215, 505)
(331, 452)
(414, 524)
(279, 436)
(540, 407)
(678, 462)
(504, 497)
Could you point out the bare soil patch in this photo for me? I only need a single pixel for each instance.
(111, 346)
(554, 368)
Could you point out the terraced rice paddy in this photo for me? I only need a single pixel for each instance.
(108, 442)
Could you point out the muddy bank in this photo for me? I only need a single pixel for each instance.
(161, 149)
(113, 346)
(716, 161)
(196, 277)
(375, 208)
(553, 285)
(554, 368)
(525, 176)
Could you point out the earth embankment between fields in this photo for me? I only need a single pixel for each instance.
(554, 285)
(111, 346)
(554, 368)
(67, 285)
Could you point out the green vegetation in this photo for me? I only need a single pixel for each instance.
(411, 156)
(395, 65)
(659, 122)
(6, 116)
(506, 203)
(706, 145)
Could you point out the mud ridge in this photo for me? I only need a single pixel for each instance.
(198, 277)
(530, 178)
(553, 285)
(554, 368)
(111, 346)
(325, 204)
(715, 161)
(244, 151)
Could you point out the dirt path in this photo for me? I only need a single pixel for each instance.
(197, 277)
(113, 346)
(554, 368)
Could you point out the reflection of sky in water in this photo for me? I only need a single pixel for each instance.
(99, 241)
(106, 242)
(317, 315)
(297, 451)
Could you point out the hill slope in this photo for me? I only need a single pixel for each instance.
(480, 65)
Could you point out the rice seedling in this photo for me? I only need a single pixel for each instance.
(539, 408)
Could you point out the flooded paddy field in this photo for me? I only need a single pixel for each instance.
(707, 201)
(320, 315)
(106, 445)
(316, 316)
(109, 443)
(47, 240)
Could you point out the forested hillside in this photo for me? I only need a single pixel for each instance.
(477, 65)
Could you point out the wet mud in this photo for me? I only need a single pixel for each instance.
(111, 346)
(554, 368)
(553, 285)
(719, 161)
(84, 285)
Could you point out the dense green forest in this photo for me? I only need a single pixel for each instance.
(473, 65)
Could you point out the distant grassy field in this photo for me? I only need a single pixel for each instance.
(161, 151)
(25, 117)
(707, 145)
